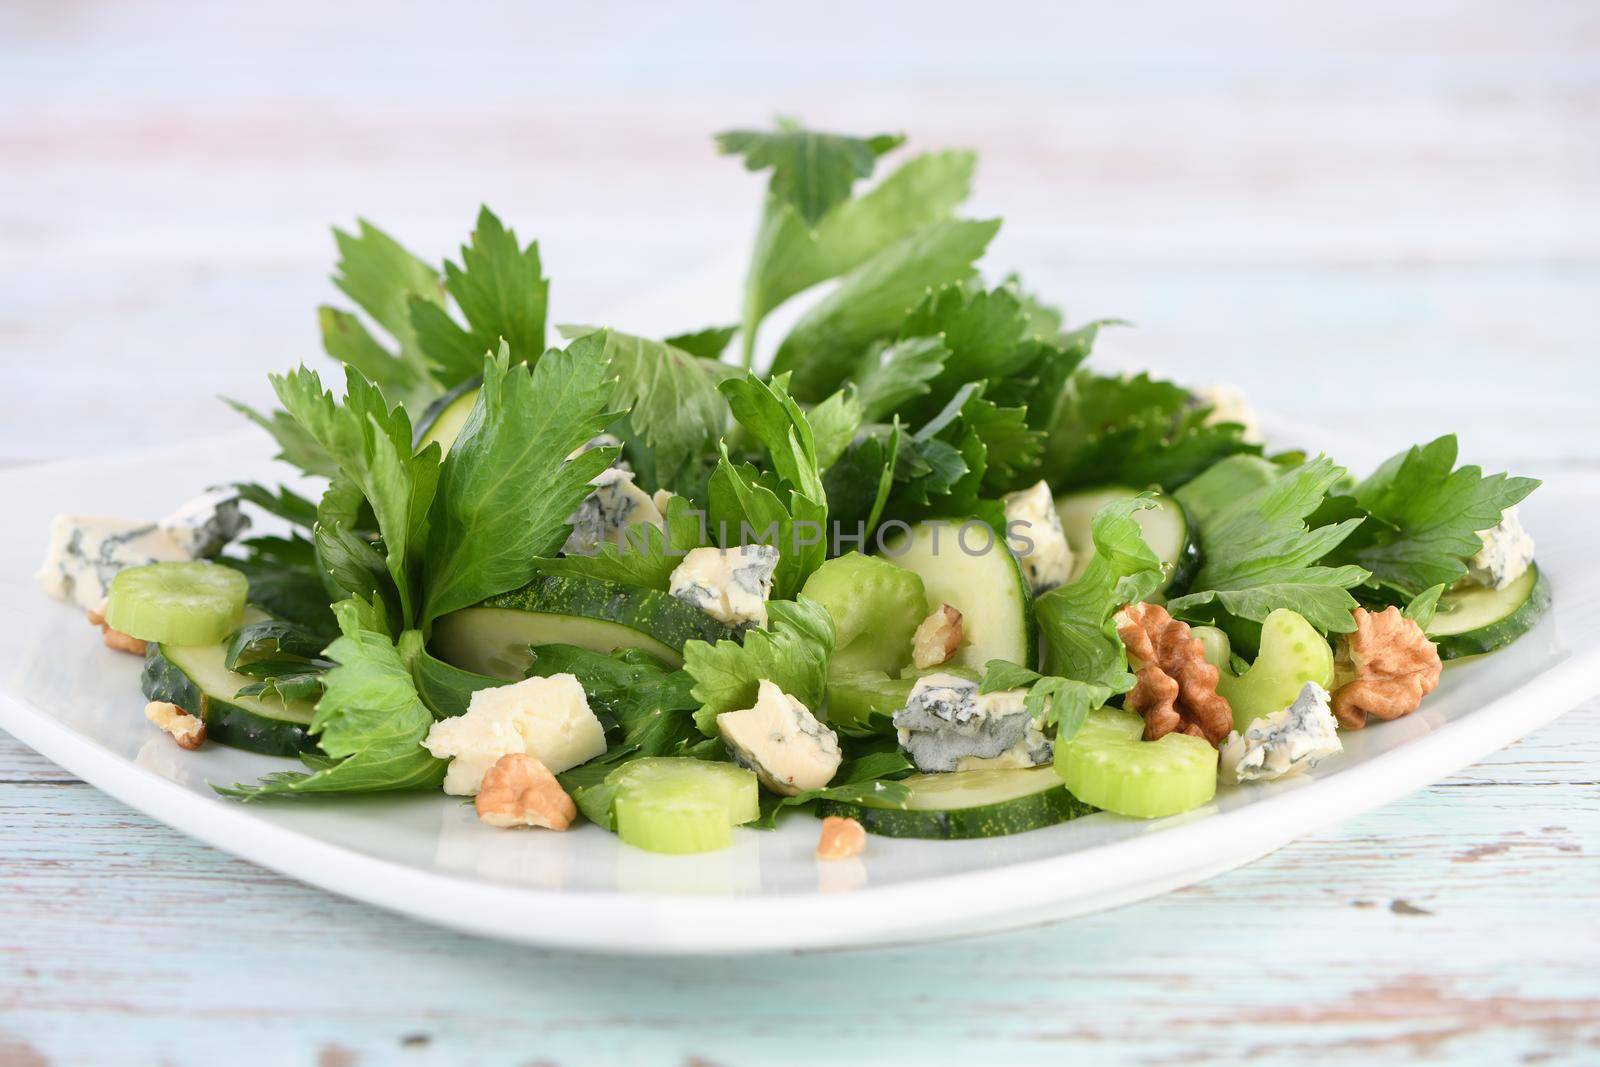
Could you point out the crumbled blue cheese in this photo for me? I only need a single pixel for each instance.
(1285, 742)
(781, 741)
(86, 552)
(1506, 553)
(546, 718)
(606, 514)
(947, 725)
(1229, 404)
(208, 523)
(729, 584)
(1031, 514)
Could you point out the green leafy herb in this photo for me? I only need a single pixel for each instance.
(791, 256)
(1080, 640)
(792, 654)
(674, 414)
(651, 704)
(285, 580)
(709, 343)
(648, 555)
(891, 375)
(1134, 431)
(372, 445)
(870, 302)
(1424, 606)
(506, 489)
(1259, 554)
(370, 722)
(382, 277)
(1429, 513)
(503, 295)
(811, 171)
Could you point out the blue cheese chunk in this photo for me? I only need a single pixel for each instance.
(1229, 404)
(1285, 742)
(1031, 521)
(208, 523)
(1506, 553)
(781, 741)
(947, 725)
(86, 552)
(729, 584)
(606, 514)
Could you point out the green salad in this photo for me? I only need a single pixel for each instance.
(928, 574)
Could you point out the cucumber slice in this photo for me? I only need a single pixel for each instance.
(674, 804)
(1472, 620)
(177, 603)
(1292, 654)
(962, 804)
(1166, 528)
(876, 607)
(861, 704)
(493, 638)
(443, 419)
(197, 679)
(987, 588)
(1107, 764)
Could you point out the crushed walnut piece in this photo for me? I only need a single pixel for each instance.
(937, 639)
(1385, 667)
(186, 729)
(520, 791)
(1177, 688)
(841, 838)
(115, 638)
(122, 642)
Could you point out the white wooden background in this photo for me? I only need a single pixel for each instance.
(1383, 217)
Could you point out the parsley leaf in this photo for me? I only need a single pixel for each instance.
(372, 445)
(1081, 643)
(506, 489)
(708, 343)
(747, 506)
(502, 293)
(793, 654)
(790, 256)
(673, 411)
(870, 302)
(1134, 431)
(1429, 513)
(891, 375)
(382, 277)
(1259, 554)
(296, 447)
(370, 722)
(811, 171)
(648, 557)
(834, 423)
(651, 704)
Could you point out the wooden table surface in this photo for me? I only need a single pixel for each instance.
(1381, 217)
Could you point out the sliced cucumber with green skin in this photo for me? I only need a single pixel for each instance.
(196, 678)
(987, 587)
(679, 805)
(1108, 764)
(182, 603)
(875, 606)
(1472, 620)
(493, 638)
(443, 419)
(964, 804)
(1166, 528)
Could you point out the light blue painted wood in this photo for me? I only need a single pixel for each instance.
(1270, 193)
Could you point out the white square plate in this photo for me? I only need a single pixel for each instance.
(78, 703)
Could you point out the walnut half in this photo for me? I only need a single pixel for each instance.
(1177, 688)
(520, 791)
(1386, 666)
